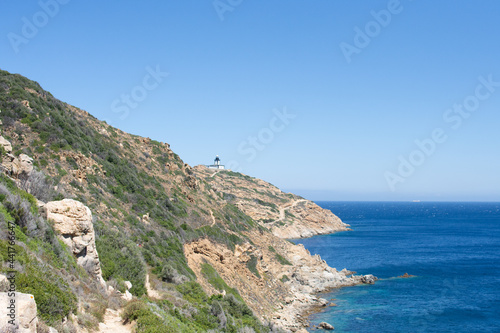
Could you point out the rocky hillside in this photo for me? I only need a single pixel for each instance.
(105, 220)
(286, 215)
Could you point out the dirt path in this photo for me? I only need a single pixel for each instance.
(284, 208)
(113, 323)
(213, 218)
(151, 292)
(215, 173)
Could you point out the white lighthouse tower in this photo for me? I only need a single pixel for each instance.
(217, 164)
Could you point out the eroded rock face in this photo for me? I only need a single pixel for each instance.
(288, 216)
(85, 165)
(24, 314)
(73, 220)
(271, 296)
(6, 144)
(15, 165)
(22, 164)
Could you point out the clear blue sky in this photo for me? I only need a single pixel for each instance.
(359, 99)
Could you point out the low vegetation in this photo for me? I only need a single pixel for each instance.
(216, 313)
(217, 282)
(38, 253)
(146, 203)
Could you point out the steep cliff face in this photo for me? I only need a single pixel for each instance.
(164, 225)
(286, 215)
(277, 279)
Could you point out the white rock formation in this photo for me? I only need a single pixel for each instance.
(15, 165)
(73, 220)
(128, 285)
(127, 296)
(6, 144)
(22, 164)
(22, 312)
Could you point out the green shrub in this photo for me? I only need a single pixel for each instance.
(53, 297)
(72, 163)
(282, 260)
(192, 292)
(216, 281)
(87, 320)
(151, 323)
(133, 310)
(121, 259)
(252, 265)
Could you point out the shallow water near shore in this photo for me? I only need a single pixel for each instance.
(452, 248)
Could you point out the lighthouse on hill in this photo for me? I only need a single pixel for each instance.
(217, 164)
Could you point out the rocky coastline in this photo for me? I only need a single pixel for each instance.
(307, 299)
(284, 295)
(223, 231)
(288, 290)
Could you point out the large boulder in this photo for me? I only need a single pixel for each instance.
(21, 316)
(22, 164)
(368, 279)
(73, 220)
(326, 326)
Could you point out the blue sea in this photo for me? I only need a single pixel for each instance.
(452, 248)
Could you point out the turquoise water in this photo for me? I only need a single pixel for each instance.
(452, 248)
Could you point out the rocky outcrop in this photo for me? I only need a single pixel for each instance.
(406, 276)
(7, 146)
(307, 220)
(73, 221)
(369, 279)
(20, 311)
(15, 166)
(84, 165)
(286, 215)
(22, 164)
(325, 326)
(283, 291)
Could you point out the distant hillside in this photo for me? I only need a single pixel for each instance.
(200, 251)
(285, 214)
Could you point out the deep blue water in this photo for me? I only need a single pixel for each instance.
(452, 248)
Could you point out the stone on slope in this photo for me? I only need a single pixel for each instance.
(23, 313)
(7, 146)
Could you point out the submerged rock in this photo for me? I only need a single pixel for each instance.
(406, 275)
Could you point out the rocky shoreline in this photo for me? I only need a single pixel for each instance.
(323, 303)
(312, 278)
(291, 288)
(295, 315)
